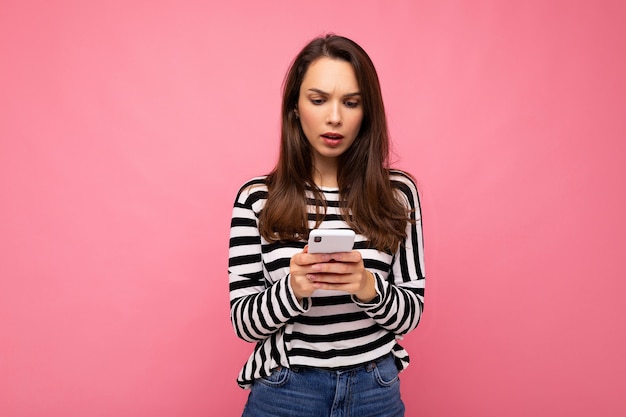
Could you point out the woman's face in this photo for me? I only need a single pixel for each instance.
(330, 109)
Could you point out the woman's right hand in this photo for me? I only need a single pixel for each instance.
(300, 265)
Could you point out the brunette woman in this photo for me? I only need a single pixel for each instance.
(326, 326)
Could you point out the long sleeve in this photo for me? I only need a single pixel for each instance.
(258, 307)
(400, 302)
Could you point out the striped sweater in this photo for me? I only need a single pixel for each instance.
(330, 329)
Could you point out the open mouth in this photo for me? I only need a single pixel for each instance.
(332, 139)
(332, 136)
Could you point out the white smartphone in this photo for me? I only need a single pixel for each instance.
(331, 240)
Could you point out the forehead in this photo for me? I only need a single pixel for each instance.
(328, 74)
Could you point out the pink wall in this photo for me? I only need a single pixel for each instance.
(126, 128)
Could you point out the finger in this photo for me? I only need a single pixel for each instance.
(304, 259)
(354, 256)
(335, 267)
(330, 278)
(347, 287)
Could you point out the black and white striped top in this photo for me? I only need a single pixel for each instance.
(331, 329)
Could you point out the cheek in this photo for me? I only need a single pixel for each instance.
(307, 125)
(356, 123)
(308, 118)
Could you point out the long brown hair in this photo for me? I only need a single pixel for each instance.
(369, 205)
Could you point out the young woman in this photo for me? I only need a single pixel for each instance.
(326, 326)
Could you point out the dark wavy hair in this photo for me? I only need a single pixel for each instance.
(369, 205)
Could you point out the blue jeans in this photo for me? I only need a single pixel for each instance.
(371, 390)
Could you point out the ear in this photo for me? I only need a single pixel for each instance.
(295, 111)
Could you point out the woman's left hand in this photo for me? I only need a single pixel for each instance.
(345, 272)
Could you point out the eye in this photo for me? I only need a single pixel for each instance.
(352, 104)
(317, 101)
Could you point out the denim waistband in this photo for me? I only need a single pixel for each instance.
(368, 366)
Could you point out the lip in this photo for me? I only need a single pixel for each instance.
(332, 135)
(332, 139)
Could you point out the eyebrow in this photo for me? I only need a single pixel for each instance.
(317, 90)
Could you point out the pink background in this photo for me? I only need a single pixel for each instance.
(126, 128)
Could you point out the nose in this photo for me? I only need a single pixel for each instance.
(334, 116)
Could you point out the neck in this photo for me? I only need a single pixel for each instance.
(322, 181)
(325, 175)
